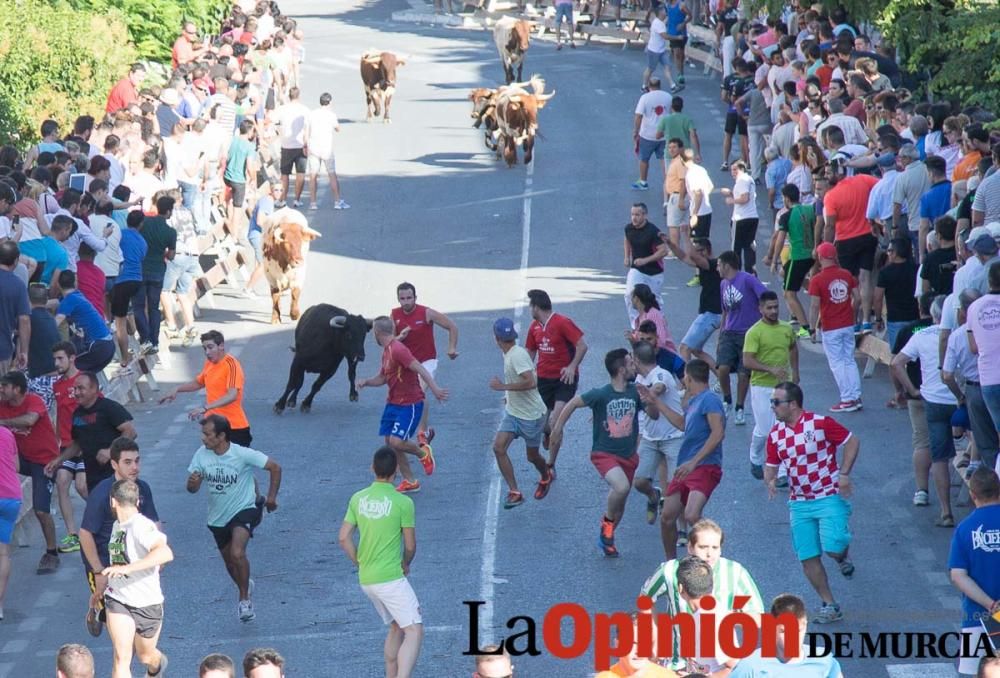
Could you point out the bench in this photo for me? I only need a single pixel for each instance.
(877, 350)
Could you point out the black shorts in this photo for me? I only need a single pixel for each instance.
(121, 295)
(703, 227)
(148, 620)
(730, 351)
(555, 391)
(857, 254)
(292, 157)
(677, 43)
(735, 123)
(248, 519)
(239, 190)
(795, 273)
(41, 484)
(241, 436)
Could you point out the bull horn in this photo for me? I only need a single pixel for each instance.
(338, 321)
(545, 97)
(312, 232)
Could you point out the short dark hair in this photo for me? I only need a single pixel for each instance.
(540, 298)
(214, 336)
(767, 295)
(122, 444)
(730, 258)
(164, 205)
(677, 142)
(677, 104)
(325, 99)
(936, 164)
(66, 347)
(791, 192)
(698, 370)
(217, 662)
(792, 390)
(220, 425)
(946, 226)
(902, 247)
(985, 484)
(67, 279)
(614, 360)
(262, 656)
(694, 575)
(90, 377)
(647, 327)
(994, 276)
(384, 462)
(644, 353)
(246, 126)
(135, 219)
(788, 602)
(9, 253)
(406, 286)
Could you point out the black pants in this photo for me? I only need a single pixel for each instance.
(745, 243)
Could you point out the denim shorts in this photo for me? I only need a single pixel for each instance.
(654, 59)
(820, 525)
(530, 430)
(650, 147)
(939, 428)
(701, 330)
(564, 10)
(256, 239)
(181, 273)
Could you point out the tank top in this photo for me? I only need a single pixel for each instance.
(420, 340)
(675, 17)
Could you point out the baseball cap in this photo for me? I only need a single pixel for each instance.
(975, 233)
(887, 160)
(826, 250)
(15, 379)
(504, 330)
(985, 244)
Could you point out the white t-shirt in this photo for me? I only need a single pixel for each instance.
(745, 185)
(528, 404)
(923, 345)
(656, 42)
(108, 260)
(697, 179)
(698, 663)
(660, 428)
(191, 148)
(321, 123)
(292, 124)
(145, 185)
(652, 106)
(117, 172)
(130, 542)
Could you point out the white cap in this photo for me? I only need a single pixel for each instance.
(994, 229)
(975, 233)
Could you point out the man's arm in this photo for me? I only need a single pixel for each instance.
(899, 371)
(23, 340)
(525, 382)
(72, 450)
(718, 429)
(973, 591)
(127, 429)
(194, 482)
(813, 311)
(447, 323)
(793, 358)
(189, 387)
(978, 217)
(569, 372)
(676, 419)
(750, 362)
(628, 254)
(346, 541)
(26, 420)
(99, 244)
(635, 126)
(409, 547)
(949, 380)
(695, 144)
(925, 227)
(555, 438)
(271, 502)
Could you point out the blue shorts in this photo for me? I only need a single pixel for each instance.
(400, 421)
(182, 271)
(530, 430)
(648, 148)
(701, 330)
(654, 59)
(565, 11)
(9, 508)
(820, 525)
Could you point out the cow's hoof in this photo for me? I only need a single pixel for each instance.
(305, 409)
(279, 408)
(291, 404)
(354, 397)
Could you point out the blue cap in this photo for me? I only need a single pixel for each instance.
(504, 330)
(887, 160)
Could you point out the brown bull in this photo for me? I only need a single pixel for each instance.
(512, 38)
(378, 74)
(517, 117)
(484, 112)
(285, 246)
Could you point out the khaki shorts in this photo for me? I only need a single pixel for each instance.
(676, 217)
(394, 601)
(652, 451)
(918, 422)
(315, 164)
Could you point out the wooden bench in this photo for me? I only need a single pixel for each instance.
(877, 350)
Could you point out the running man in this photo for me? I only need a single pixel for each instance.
(234, 508)
(223, 381)
(615, 408)
(800, 225)
(415, 328)
(524, 412)
(709, 316)
(559, 347)
(387, 544)
(72, 470)
(677, 17)
(405, 402)
(740, 293)
(699, 461)
(133, 599)
(807, 443)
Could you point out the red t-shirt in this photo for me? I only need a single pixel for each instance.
(833, 285)
(39, 445)
(847, 203)
(65, 406)
(404, 384)
(90, 281)
(182, 52)
(554, 342)
(122, 95)
(420, 339)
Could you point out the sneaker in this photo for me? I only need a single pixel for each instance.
(245, 610)
(313, 206)
(544, 485)
(69, 544)
(921, 498)
(828, 613)
(606, 539)
(741, 417)
(846, 406)
(408, 486)
(857, 328)
(161, 670)
(653, 506)
(297, 204)
(971, 468)
(427, 459)
(514, 498)
(48, 564)
(94, 622)
(724, 167)
(341, 205)
(757, 471)
(803, 333)
(674, 89)
(727, 407)
(781, 482)
(867, 328)
(695, 281)
(846, 568)
(146, 347)
(425, 437)
(682, 538)
(640, 186)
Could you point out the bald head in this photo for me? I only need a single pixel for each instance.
(74, 661)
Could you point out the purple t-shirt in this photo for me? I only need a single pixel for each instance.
(740, 301)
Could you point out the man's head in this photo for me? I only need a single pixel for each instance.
(936, 168)
(791, 193)
(993, 277)
(729, 264)
(215, 431)
(705, 541)
(125, 458)
(984, 486)
(694, 579)
(124, 497)
(384, 330)
(646, 333)
(696, 373)
(675, 147)
(945, 227)
(63, 355)
(989, 667)
(538, 302)
(216, 666)
(86, 389)
(769, 308)
(384, 463)
(214, 345)
(786, 603)
(493, 663)
(645, 355)
(165, 206)
(900, 250)
(786, 402)
(74, 661)
(827, 254)
(919, 126)
(13, 387)
(504, 331)
(263, 662)
(654, 83)
(619, 364)
(66, 281)
(638, 214)
(137, 73)
(984, 247)
(38, 295)
(406, 295)
(62, 227)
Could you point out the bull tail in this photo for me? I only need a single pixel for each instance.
(537, 83)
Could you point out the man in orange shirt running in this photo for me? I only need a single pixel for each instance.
(223, 381)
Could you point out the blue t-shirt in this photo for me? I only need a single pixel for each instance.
(134, 248)
(13, 304)
(936, 201)
(697, 430)
(675, 17)
(229, 480)
(98, 518)
(44, 335)
(975, 548)
(84, 320)
(756, 666)
(264, 207)
(56, 258)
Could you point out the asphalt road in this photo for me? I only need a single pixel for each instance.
(430, 206)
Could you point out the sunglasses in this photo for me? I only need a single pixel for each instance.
(775, 402)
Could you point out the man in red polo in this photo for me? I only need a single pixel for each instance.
(126, 91)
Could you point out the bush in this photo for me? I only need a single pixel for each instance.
(56, 62)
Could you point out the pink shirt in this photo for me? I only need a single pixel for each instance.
(663, 336)
(10, 486)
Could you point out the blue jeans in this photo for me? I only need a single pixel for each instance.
(146, 308)
(188, 193)
(939, 427)
(991, 394)
(893, 328)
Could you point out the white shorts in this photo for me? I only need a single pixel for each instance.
(315, 164)
(394, 601)
(967, 666)
(431, 366)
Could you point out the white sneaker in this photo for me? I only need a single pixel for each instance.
(313, 206)
(920, 498)
(296, 204)
(246, 612)
(341, 205)
(741, 417)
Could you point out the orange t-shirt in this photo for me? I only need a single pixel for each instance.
(217, 378)
(966, 167)
(847, 203)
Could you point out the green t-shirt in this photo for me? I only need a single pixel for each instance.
(380, 513)
(240, 151)
(771, 344)
(798, 223)
(616, 419)
(676, 126)
(159, 237)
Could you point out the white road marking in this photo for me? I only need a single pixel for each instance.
(172, 430)
(502, 198)
(932, 670)
(601, 92)
(31, 624)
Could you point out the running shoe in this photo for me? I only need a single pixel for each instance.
(653, 506)
(146, 347)
(408, 486)
(682, 538)
(695, 281)
(69, 544)
(741, 417)
(313, 206)
(544, 485)
(846, 568)
(640, 186)
(297, 204)
(724, 167)
(514, 498)
(781, 483)
(425, 437)
(846, 406)
(427, 459)
(757, 471)
(606, 539)
(341, 205)
(921, 498)
(94, 622)
(48, 564)
(245, 611)
(727, 407)
(161, 670)
(828, 613)
(803, 333)
(867, 328)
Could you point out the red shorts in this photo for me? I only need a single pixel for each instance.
(604, 462)
(704, 479)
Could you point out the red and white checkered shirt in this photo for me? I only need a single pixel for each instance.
(809, 447)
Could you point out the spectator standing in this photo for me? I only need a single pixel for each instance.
(984, 342)
(656, 46)
(181, 272)
(895, 287)
(291, 120)
(678, 125)
(72, 471)
(44, 335)
(387, 544)
(161, 245)
(938, 270)
(743, 198)
(649, 110)
(676, 202)
(90, 279)
(799, 224)
(241, 171)
(128, 282)
(185, 50)
(321, 125)
(986, 205)
(95, 347)
(845, 205)
(936, 200)
(15, 312)
(564, 12)
(910, 187)
(698, 186)
(126, 91)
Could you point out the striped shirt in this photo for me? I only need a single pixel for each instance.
(730, 579)
(987, 198)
